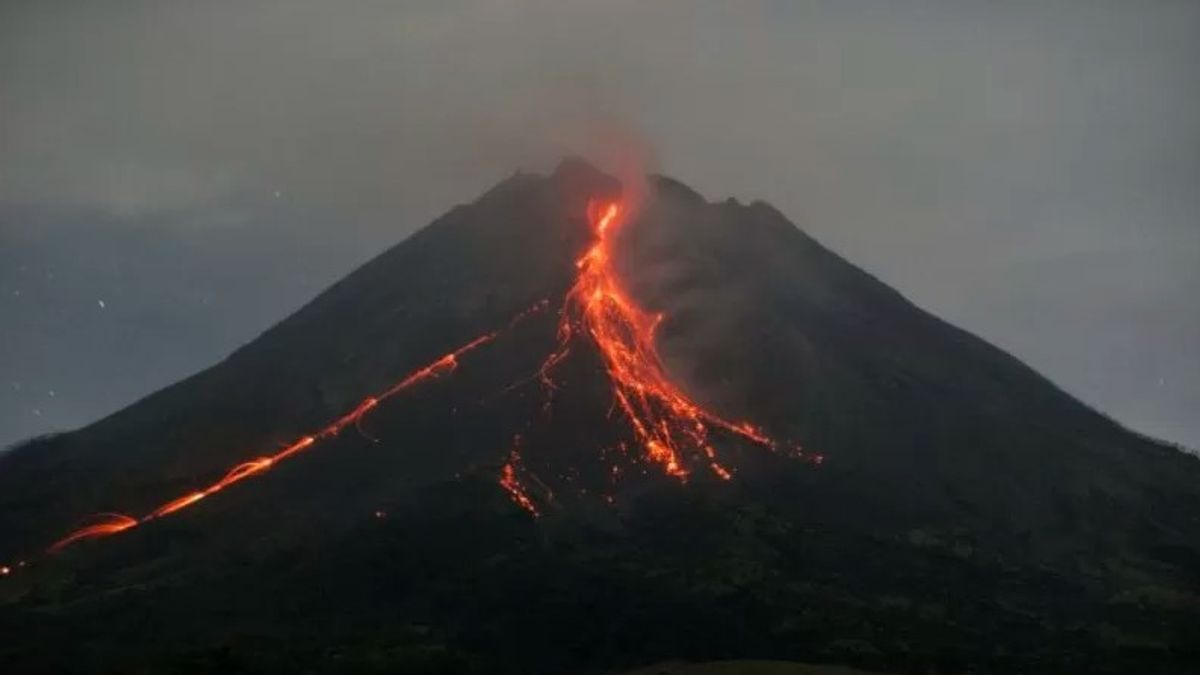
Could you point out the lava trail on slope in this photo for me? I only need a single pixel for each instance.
(108, 524)
(670, 428)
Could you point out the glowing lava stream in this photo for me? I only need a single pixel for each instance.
(113, 523)
(671, 428)
(511, 482)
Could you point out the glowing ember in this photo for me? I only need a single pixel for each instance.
(513, 485)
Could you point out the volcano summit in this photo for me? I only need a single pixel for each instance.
(560, 431)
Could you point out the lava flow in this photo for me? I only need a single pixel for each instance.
(512, 484)
(113, 523)
(672, 430)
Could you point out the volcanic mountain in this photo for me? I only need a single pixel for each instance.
(566, 430)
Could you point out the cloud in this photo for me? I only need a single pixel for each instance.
(138, 107)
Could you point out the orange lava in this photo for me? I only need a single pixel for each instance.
(114, 523)
(107, 524)
(513, 485)
(671, 428)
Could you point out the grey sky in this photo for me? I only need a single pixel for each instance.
(1028, 170)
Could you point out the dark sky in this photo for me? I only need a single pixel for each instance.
(176, 176)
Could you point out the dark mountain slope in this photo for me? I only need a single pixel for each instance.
(775, 327)
(466, 274)
(968, 514)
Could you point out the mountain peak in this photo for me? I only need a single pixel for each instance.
(668, 186)
(578, 172)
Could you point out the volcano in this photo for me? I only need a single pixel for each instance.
(568, 428)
